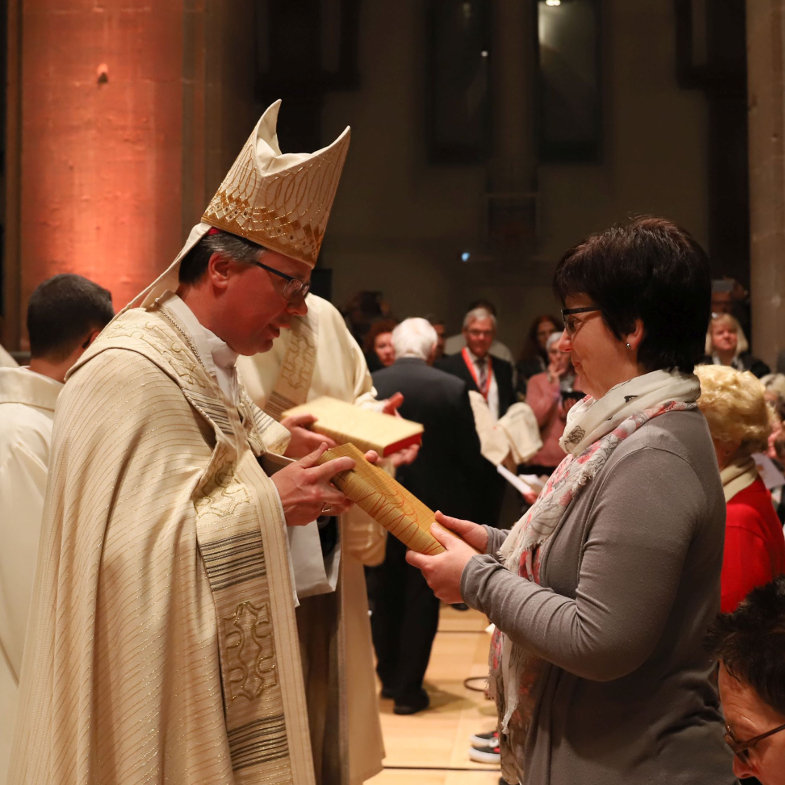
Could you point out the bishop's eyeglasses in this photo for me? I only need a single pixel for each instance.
(293, 287)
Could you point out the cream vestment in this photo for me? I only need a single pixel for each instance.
(6, 360)
(27, 407)
(162, 644)
(318, 356)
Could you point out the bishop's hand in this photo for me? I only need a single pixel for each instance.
(306, 490)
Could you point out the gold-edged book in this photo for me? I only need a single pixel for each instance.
(386, 501)
(365, 428)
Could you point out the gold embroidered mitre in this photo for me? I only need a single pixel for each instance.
(279, 200)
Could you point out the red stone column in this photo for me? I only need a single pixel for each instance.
(101, 124)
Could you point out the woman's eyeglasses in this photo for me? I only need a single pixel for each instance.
(742, 748)
(571, 324)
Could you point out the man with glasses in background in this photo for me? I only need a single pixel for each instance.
(750, 646)
(489, 375)
(163, 643)
(492, 378)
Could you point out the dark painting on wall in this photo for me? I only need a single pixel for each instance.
(457, 81)
(569, 116)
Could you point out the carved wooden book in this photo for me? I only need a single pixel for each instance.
(386, 501)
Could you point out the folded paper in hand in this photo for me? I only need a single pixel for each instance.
(386, 501)
(512, 439)
(365, 428)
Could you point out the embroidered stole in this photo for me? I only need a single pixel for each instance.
(247, 568)
(294, 378)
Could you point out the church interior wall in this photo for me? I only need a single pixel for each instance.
(400, 221)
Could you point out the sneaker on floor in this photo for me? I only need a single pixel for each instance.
(485, 754)
(489, 739)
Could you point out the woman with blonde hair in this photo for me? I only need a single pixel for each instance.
(726, 344)
(739, 421)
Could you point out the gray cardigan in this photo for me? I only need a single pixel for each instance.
(630, 580)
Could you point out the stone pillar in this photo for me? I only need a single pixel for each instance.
(766, 91)
(122, 120)
(101, 120)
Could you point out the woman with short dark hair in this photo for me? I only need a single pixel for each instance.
(602, 591)
(750, 647)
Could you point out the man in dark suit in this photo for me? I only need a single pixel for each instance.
(444, 476)
(489, 375)
(492, 378)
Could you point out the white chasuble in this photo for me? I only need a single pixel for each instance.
(162, 642)
(27, 407)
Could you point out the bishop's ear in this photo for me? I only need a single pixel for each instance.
(219, 270)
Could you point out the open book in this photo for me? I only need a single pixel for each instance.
(386, 501)
(365, 428)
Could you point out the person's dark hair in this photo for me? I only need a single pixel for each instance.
(194, 264)
(649, 269)
(62, 311)
(750, 642)
(377, 328)
(531, 347)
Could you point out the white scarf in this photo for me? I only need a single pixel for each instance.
(737, 476)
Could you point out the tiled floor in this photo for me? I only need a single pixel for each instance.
(431, 748)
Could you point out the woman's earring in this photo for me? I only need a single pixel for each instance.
(629, 347)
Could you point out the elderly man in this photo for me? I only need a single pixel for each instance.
(750, 646)
(489, 375)
(64, 314)
(443, 476)
(454, 343)
(163, 644)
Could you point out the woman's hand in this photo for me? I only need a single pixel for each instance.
(472, 533)
(443, 572)
(306, 491)
(558, 367)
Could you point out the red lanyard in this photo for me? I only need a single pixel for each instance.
(473, 372)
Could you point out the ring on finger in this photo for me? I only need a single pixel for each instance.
(326, 509)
